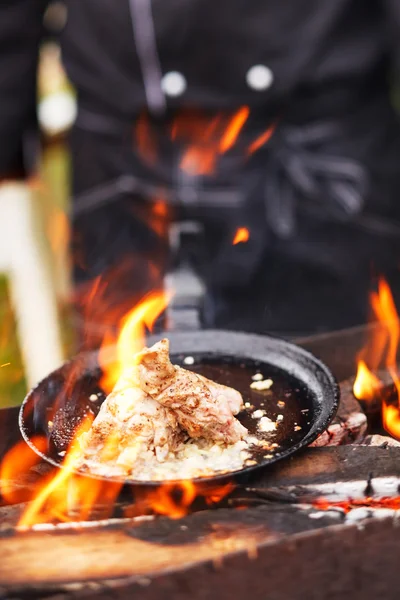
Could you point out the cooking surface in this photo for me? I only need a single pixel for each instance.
(295, 404)
(301, 401)
(61, 418)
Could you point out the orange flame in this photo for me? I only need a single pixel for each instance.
(198, 160)
(382, 347)
(40, 509)
(234, 128)
(391, 419)
(173, 499)
(366, 385)
(242, 236)
(58, 231)
(206, 139)
(261, 140)
(159, 218)
(15, 464)
(115, 359)
(65, 494)
(384, 308)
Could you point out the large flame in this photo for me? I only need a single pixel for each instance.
(381, 349)
(64, 494)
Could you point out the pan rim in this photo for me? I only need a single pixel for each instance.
(229, 336)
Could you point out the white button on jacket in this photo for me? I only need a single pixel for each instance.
(173, 83)
(259, 78)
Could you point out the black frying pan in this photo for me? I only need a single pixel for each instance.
(304, 392)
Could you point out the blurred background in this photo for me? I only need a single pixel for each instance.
(56, 105)
(296, 274)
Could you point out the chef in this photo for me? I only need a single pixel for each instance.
(307, 159)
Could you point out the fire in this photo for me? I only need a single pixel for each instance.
(15, 464)
(145, 140)
(391, 419)
(115, 359)
(58, 231)
(261, 140)
(382, 347)
(206, 140)
(173, 499)
(366, 385)
(234, 128)
(198, 160)
(64, 494)
(348, 505)
(40, 509)
(242, 236)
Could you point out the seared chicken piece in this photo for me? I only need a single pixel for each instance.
(203, 408)
(130, 424)
(233, 397)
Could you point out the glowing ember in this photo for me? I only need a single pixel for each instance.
(15, 464)
(242, 236)
(348, 505)
(366, 385)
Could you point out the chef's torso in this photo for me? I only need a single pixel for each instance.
(218, 54)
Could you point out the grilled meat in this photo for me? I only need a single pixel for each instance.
(202, 408)
(129, 425)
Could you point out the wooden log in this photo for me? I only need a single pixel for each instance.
(141, 547)
(330, 564)
(259, 553)
(333, 464)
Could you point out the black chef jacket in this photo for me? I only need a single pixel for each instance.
(320, 199)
